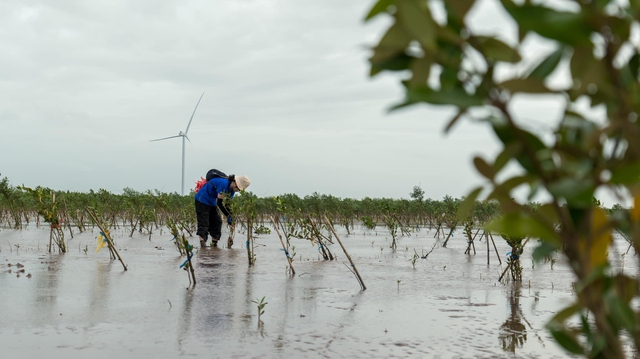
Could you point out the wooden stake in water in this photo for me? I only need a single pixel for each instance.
(112, 248)
(355, 270)
(286, 252)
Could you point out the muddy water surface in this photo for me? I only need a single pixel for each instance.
(81, 305)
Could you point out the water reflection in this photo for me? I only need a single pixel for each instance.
(513, 332)
(46, 308)
(99, 293)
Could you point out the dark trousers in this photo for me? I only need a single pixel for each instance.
(209, 221)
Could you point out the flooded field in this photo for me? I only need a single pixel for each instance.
(81, 304)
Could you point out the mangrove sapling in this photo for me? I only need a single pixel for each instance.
(260, 306)
(187, 265)
(107, 237)
(284, 247)
(392, 226)
(49, 211)
(513, 259)
(468, 229)
(415, 258)
(177, 236)
(244, 209)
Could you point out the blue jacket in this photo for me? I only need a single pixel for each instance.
(208, 194)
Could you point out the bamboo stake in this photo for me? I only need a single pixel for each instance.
(107, 237)
(447, 240)
(495, 248)
(293, 271)
(355, 270)
(486, 238)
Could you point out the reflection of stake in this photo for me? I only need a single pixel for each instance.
(112, 248)
(355, 270)
(293, 271)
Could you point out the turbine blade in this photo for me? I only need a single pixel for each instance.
(166, 138)
(187, 137)
(194, 112)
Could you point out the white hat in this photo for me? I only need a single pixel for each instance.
(242, 182)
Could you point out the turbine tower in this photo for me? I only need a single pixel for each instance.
(184, 136)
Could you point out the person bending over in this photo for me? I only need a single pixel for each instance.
(209, 198)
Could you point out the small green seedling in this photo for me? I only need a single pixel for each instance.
(260, 304)
(414, 259)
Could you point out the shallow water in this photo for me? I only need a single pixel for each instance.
(450, 305)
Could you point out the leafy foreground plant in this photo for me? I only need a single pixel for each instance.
(481, 76)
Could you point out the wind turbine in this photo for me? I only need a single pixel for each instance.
(184, 136)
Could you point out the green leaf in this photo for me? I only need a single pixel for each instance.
(566, 27)
(379, 7)
(459, 7)
(563, 315)
(626, 174)
(620, 311)
(398, 63)
(566, 340)
(634, 64)
(528, 85)
(394, 42)
(484, 168)
(510, 151)
(517, 224)
(577, 192)
(418, 22)
(546, 67)
(466, 207)
(454, 96)
(421, 69)
(544, 250)
(495, 49)
(620, 26)
(516, 181)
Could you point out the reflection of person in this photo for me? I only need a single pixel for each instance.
(209, 198)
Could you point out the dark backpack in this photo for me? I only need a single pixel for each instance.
(214, 173)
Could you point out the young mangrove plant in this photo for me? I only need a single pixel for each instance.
(244, 210)
(47, 207)
(187, 265)
(517, 244)
(105, 238)
(284, 247)
(260, 304)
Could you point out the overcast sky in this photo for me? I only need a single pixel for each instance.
(86, 84)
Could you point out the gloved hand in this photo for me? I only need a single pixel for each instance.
(229, 220)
